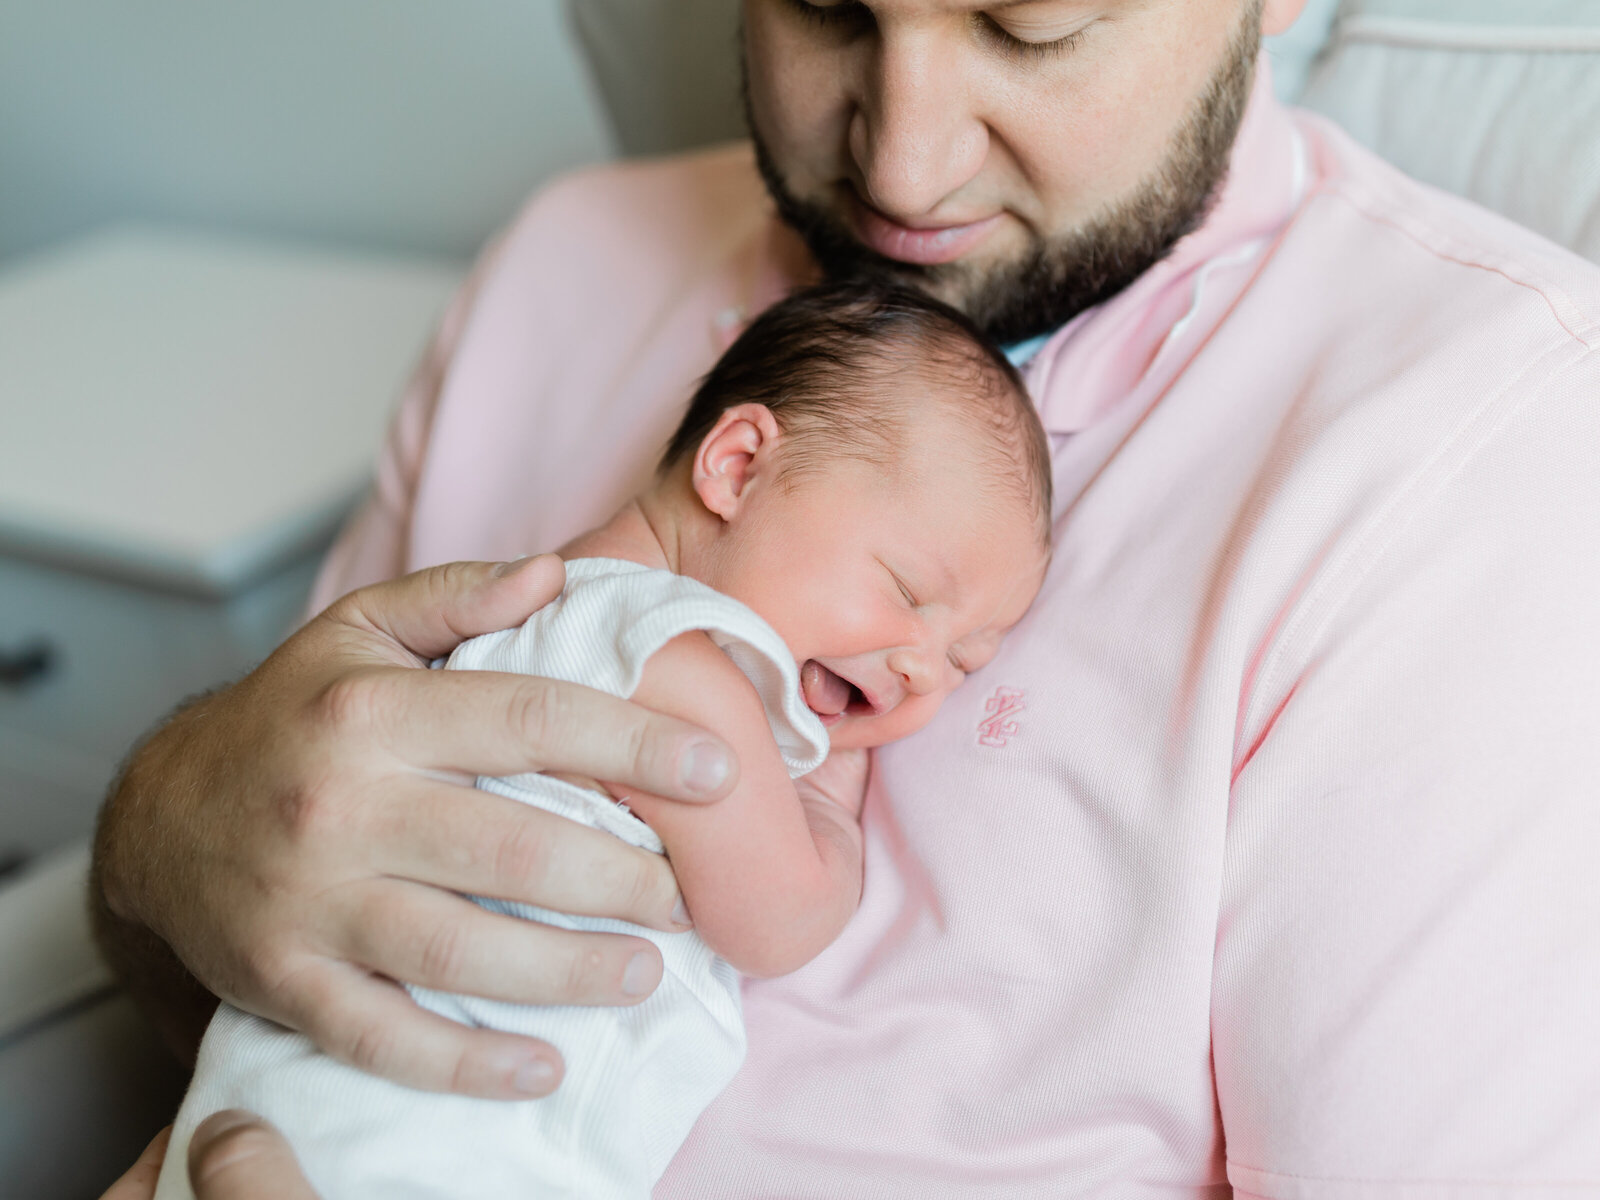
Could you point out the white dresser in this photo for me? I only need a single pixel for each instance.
(184, 420)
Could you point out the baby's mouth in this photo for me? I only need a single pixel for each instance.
(832, 697)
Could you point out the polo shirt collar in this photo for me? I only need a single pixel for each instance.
(1106, 352)
(1082, 370)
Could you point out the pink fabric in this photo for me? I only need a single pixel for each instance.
(1265, 854)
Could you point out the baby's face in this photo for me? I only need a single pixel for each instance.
(889, 586)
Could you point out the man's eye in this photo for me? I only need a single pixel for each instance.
(1021, 50)
(845, 13)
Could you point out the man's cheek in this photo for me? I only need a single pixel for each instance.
(803, 118)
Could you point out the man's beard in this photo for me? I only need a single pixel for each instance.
(1057, 278)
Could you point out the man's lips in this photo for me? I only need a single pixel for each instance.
(924, 246)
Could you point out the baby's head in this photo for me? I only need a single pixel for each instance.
(868, 474)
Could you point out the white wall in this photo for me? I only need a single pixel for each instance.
(405, 124)
(409, 124)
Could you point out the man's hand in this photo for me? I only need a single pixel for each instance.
(237, 1156)
(139, 1182)
(300, 839)
(232, 1156)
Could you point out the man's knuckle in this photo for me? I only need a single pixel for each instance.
(441, 956)
(268, 968)
(308, 811)
(454, 578)
(647, 890)
(463, 1073)
(351, 704)
(522, 857)
(369, 1046)
(631, 885)
(541, 714)
(297, 990)
(642, 750)
(348, 609)
(610, 879)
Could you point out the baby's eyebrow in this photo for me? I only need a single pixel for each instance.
(937, 567)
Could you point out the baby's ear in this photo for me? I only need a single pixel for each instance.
(741, 448)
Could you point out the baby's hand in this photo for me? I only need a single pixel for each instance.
(841, 781)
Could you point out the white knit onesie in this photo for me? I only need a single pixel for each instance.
(637, 1078)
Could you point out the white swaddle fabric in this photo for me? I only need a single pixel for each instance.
(637, 1078)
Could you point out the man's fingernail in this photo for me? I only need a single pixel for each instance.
(501, 570)
(535, 1077)
(639, 978)
(220, 1123)
(204, 1162)
(680, 913)
(705, 767)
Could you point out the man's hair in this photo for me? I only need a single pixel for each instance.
(815, 360)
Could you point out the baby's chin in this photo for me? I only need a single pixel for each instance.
(868, 733)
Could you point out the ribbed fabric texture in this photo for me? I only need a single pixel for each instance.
(637, 1078)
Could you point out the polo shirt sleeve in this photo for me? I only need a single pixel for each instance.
(1406, 1000)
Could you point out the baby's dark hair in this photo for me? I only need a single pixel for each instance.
(807, 358)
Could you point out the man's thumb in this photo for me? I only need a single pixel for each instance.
(237, 1156)
(431, 612)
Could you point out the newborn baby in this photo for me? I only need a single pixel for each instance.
(853, 513)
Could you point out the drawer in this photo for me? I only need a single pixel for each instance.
(118, 658)
(49, 794)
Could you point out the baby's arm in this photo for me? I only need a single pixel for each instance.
(769, 879)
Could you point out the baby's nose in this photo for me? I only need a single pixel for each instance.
(916, 668)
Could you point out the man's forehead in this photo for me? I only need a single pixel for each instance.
(924, 7)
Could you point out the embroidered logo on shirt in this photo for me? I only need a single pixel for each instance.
(1004, 705)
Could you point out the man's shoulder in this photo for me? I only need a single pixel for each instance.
(623, 220)
(722, 177)
(1396, 336)
(1444, 247)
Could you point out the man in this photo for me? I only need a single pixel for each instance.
(1261, 858)
(232, 1156)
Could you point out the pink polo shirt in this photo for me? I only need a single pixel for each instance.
(1267, 852)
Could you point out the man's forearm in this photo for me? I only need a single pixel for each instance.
(175, 1002)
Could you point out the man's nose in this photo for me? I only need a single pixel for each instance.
(914, 136)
